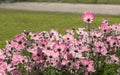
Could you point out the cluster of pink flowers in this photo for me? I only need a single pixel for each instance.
(37, 51)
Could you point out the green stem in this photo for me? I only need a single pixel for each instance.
(98, 65)
(89, 31)
(89, 37)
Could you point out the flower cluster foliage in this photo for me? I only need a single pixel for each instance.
(79, 51)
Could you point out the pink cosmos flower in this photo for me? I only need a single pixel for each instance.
(115, 28)
(83, 36)
(68, 56)
(114, 58)
(53, 33)
(88, 17)
(91, 68)
(59, 47)
(112, 41)
(2, 72)
(17, 58)
(76, 54)
(88, 65)
(3, 65)
(2, 54)
(103, 51)
(42, 42)
(100, 48)
(15, 72)
(35, 36)
(8, 45)
(85, 48)
(33, 49)
(64, 62)
(38, 56)
(44, 34)
(51, 57)
(10, 67)
(118, 40)
(70, 32)
(51, 54)
(19, 42)
(99, 44)
(105, 28)
(96, 34)
(105, 21)
(68, 38)
(76, 64)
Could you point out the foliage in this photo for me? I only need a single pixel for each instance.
(91, 52)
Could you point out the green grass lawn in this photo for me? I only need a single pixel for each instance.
(14, 22)
(79, 1)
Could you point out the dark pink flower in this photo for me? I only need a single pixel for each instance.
(32, 49)
(114, 58)
(105, 21)
(99, 44)
(18, 58)
(70, 32)
(8, 45)
(68, 38)
(88, 17)
(42, 42)
(3, 65)
(102, 51)
(68, 56)
(38, 56)
(51, 57)
(59, 47)
(100, 48)
(2, 54)
(88, 65)
(2, 72)
(115, 28)
(76, 64)
(35, 36)
(19, 42)
(15, 72)
(118, 40)
(10, 67)
(105, 28)
(112, 41)
(53, 33)
(51, 54)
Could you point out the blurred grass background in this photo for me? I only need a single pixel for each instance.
(13, 22)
